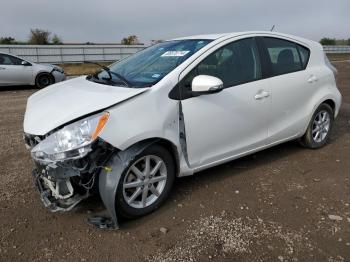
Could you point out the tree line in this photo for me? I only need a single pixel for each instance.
(36, 37)
(44, 37)
(334, 41)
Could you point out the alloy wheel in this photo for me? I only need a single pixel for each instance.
(321, 126)
(144, 181)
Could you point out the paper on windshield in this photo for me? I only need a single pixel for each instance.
(175, 53)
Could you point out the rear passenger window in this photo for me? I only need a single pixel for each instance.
(284, 56)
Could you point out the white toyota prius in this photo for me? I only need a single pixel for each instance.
(174, 109)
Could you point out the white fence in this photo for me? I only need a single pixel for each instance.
(337, 49)
(71, 53)
(57, 54)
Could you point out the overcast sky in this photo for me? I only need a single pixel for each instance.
(110, 20)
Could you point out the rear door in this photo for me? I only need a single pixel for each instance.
(291, 84)
(12, 72)
(233, 121)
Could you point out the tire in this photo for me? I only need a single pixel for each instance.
(310, 138)
(44, 80)
(137, 208)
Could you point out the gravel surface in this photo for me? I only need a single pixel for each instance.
(282, 204)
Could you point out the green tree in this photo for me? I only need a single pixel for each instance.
(39, 37)
(56, 40)
(327, 41)
(349, 41)
(7, 40)
(130, 40)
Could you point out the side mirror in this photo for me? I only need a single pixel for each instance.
(204, 84)
(25, 63)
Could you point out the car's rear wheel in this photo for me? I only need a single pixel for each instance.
(146, 183)
(319, 129)
(44, 80)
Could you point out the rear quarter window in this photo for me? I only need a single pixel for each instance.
(304, 54)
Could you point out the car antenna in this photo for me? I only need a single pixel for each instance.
(273, 27)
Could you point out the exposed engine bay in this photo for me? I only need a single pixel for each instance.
(64, 184)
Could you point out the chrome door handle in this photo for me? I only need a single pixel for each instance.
(261, 94)
(312, 79)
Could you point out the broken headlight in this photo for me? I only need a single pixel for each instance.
(72, 141)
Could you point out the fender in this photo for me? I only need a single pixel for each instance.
(110, 176)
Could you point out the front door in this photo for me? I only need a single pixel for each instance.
(234, 121)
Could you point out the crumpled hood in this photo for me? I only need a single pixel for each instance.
(60, 103)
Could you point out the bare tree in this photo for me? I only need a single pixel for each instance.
(130, 40)
(39, 37)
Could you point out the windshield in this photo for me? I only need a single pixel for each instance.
(150, 65)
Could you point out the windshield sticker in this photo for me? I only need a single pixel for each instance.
(155, 75)
(175, 53)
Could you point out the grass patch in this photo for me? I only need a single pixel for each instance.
(81, 68)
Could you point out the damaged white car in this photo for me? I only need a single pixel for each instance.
(174, 109)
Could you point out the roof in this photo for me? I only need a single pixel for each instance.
(233, 34)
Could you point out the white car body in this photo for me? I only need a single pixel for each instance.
(202, 131)
(16, 71)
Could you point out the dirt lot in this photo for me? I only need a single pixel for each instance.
(276, 205)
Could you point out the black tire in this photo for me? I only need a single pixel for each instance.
(43, 80)
(123, 209)
(308, 139)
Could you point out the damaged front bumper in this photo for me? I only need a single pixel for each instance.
(57, 195)
(64, 184)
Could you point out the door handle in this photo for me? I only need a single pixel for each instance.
(312, 79)
(261, 94)
(2, 68)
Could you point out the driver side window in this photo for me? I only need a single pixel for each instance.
(9, 60)
(236, 63)
(5, 60)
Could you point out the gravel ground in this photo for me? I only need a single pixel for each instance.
(283, 204)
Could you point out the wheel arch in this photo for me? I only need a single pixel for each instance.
(44, 73)
(168, 145)
(331, 103)
(326, 100)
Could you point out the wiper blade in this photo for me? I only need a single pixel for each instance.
(110, 72)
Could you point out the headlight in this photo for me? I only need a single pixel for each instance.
(72, 141)
(58, 69)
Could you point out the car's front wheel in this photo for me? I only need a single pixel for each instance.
(319, 129)
(146, 183)
(44, 80)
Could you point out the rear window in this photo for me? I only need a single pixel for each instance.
(285, 56)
